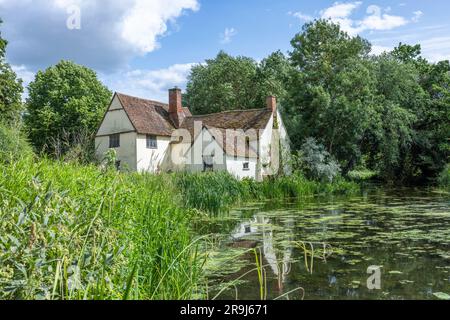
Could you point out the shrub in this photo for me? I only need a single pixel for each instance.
(316, 162)
(73, 232)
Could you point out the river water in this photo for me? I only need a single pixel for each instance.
(381, 244)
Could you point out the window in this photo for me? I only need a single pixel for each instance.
(247, 149)
(152, 142)
(114, 141)
(208, 163)
(118, 164)
(246, 166)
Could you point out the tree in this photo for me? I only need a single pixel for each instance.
(331, 93)
(230, 83)
(66, 98)
(10, 88)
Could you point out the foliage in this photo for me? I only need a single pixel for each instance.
(316, 162)
(10, 89)
(444, 177)
(13, 144)
(64, 98)
(218, 191)
(389, 111)
(73, 232)
(230, 83)
(362, 174)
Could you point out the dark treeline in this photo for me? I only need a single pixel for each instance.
(388, 114)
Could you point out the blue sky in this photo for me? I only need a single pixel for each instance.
(144, 47)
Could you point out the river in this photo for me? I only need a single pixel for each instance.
(381, 244)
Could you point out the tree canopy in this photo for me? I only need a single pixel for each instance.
(10, 88)
(230, 83)
(64, 98)
(389, 113)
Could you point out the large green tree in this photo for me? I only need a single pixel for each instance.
(10, 88)
(331, 92)
(230, 83)
(65, 98)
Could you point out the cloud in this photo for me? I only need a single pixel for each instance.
(375, 19)
(436, 48)
(340, 10)
(227, 35)
(301, 16)
(151, 84)
(111, 33)
(417, 16)
(377, 49)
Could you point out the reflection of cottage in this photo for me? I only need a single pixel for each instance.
(153, 137)
(279, 261)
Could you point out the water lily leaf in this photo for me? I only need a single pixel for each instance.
(442, 295)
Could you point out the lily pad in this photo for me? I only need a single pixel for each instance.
(442, 295)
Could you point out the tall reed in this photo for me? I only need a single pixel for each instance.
(75, 232)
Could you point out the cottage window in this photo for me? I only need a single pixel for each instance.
(114, 141)
(152, 142)
(246, 166)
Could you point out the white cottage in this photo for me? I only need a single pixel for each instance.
(151, 136)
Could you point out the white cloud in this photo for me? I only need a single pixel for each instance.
(227, 35)
(436, 48)
(417, 15)
(301, 16)
(111, 32)
(374, 20)
(340, 10)
(381, 21)
(376, 49)
(150, 84)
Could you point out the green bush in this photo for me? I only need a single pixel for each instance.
(75, 232)
(13, 144)
(362, 174)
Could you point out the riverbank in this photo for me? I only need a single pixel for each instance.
(78, 232)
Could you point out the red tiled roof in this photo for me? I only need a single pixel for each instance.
(147, 116)
(152, 117)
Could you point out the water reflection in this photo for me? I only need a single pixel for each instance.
(406, 232)
(277, 256)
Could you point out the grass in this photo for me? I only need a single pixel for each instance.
(218, 192)
(75, 232)
(71, 231)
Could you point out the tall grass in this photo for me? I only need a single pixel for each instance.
(218, 191)
(75, 232)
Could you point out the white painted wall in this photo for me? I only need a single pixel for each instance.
(152, 160)
(205, 145)
(116, 121)
(236, 167)
(285, 146)
(126, 153)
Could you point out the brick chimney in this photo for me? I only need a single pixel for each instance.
(272, 103)
(175, 108)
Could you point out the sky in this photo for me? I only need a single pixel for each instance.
(144, 47)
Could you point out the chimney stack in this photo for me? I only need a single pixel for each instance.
(272, 103)
(175, 107)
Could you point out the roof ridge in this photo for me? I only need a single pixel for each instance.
(229, 111)
(148, 100)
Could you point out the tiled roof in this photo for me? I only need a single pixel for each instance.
(147, 116)
(152, 117)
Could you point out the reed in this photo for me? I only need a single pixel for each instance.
(75, 232)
